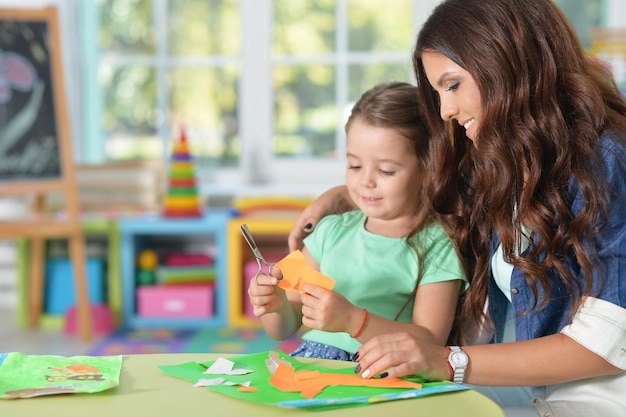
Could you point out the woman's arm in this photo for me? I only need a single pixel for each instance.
(547, 360)
(332, 201)
(566, 356)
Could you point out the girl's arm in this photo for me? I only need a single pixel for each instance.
(282, 314)
(433, 314)
(279, 310)
(286, 321)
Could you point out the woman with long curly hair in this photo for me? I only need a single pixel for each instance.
(529, 173)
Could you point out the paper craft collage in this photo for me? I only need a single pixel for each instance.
(274, 378)
(26, 376)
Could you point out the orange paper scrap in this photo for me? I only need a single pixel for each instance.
(313, 382)
(247, 389)
(297, 272)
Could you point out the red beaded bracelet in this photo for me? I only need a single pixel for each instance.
(358, 332)
(449, 364)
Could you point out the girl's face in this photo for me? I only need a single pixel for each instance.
(381, 174)
(459, 95)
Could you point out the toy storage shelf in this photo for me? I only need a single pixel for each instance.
(150, 232)
(270, 235)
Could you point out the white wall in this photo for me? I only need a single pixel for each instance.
(617, 13)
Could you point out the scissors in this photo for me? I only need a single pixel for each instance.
(260, 260)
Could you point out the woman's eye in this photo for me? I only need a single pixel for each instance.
(353, 167)
(453, 87)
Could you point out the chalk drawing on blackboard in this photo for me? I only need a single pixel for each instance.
(29, 147)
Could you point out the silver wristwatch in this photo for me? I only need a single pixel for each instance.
(458, 361)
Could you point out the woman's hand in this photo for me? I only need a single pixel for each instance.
(327, 203)
(265, 296)
(304, 224)
(401, 354)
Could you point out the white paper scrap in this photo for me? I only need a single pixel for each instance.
(225, 367)
(231, 383)
(204, 382)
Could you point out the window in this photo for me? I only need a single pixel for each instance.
(601, 28)
(158, 66)
(262, 87)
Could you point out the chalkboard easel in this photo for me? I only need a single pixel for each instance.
(35, 148)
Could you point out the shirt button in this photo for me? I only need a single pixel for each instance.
(514, 291)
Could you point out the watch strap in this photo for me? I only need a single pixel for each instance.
(457, 372)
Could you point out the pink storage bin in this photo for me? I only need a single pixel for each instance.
(249, 271)
(102, 318)
(175, 301)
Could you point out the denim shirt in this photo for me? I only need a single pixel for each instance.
(609, 282)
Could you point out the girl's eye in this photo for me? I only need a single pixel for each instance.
(388, 173)
(353, 167)
(453, 87)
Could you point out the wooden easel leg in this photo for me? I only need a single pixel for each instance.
(83, 307)
(36, 280)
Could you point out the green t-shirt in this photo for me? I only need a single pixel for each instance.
(377, 272)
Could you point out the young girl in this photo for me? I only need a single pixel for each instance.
(395, 268)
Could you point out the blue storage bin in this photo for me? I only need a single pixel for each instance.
(60, 294)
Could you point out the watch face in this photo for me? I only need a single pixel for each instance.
(458, 359)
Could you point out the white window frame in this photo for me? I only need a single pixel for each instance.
(260, 171)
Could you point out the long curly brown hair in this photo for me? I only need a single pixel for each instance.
(545, 102)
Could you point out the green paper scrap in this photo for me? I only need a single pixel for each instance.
(26, 376)
(330, 397)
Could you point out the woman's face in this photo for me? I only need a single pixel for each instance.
(459, 95)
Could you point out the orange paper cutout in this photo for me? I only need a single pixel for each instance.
(247, 389)
(75, 369)
(302, 375)
(297, 272)
(287, 380)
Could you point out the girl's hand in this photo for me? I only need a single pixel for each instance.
(401, 354)
(265, 296)
(328, 311)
